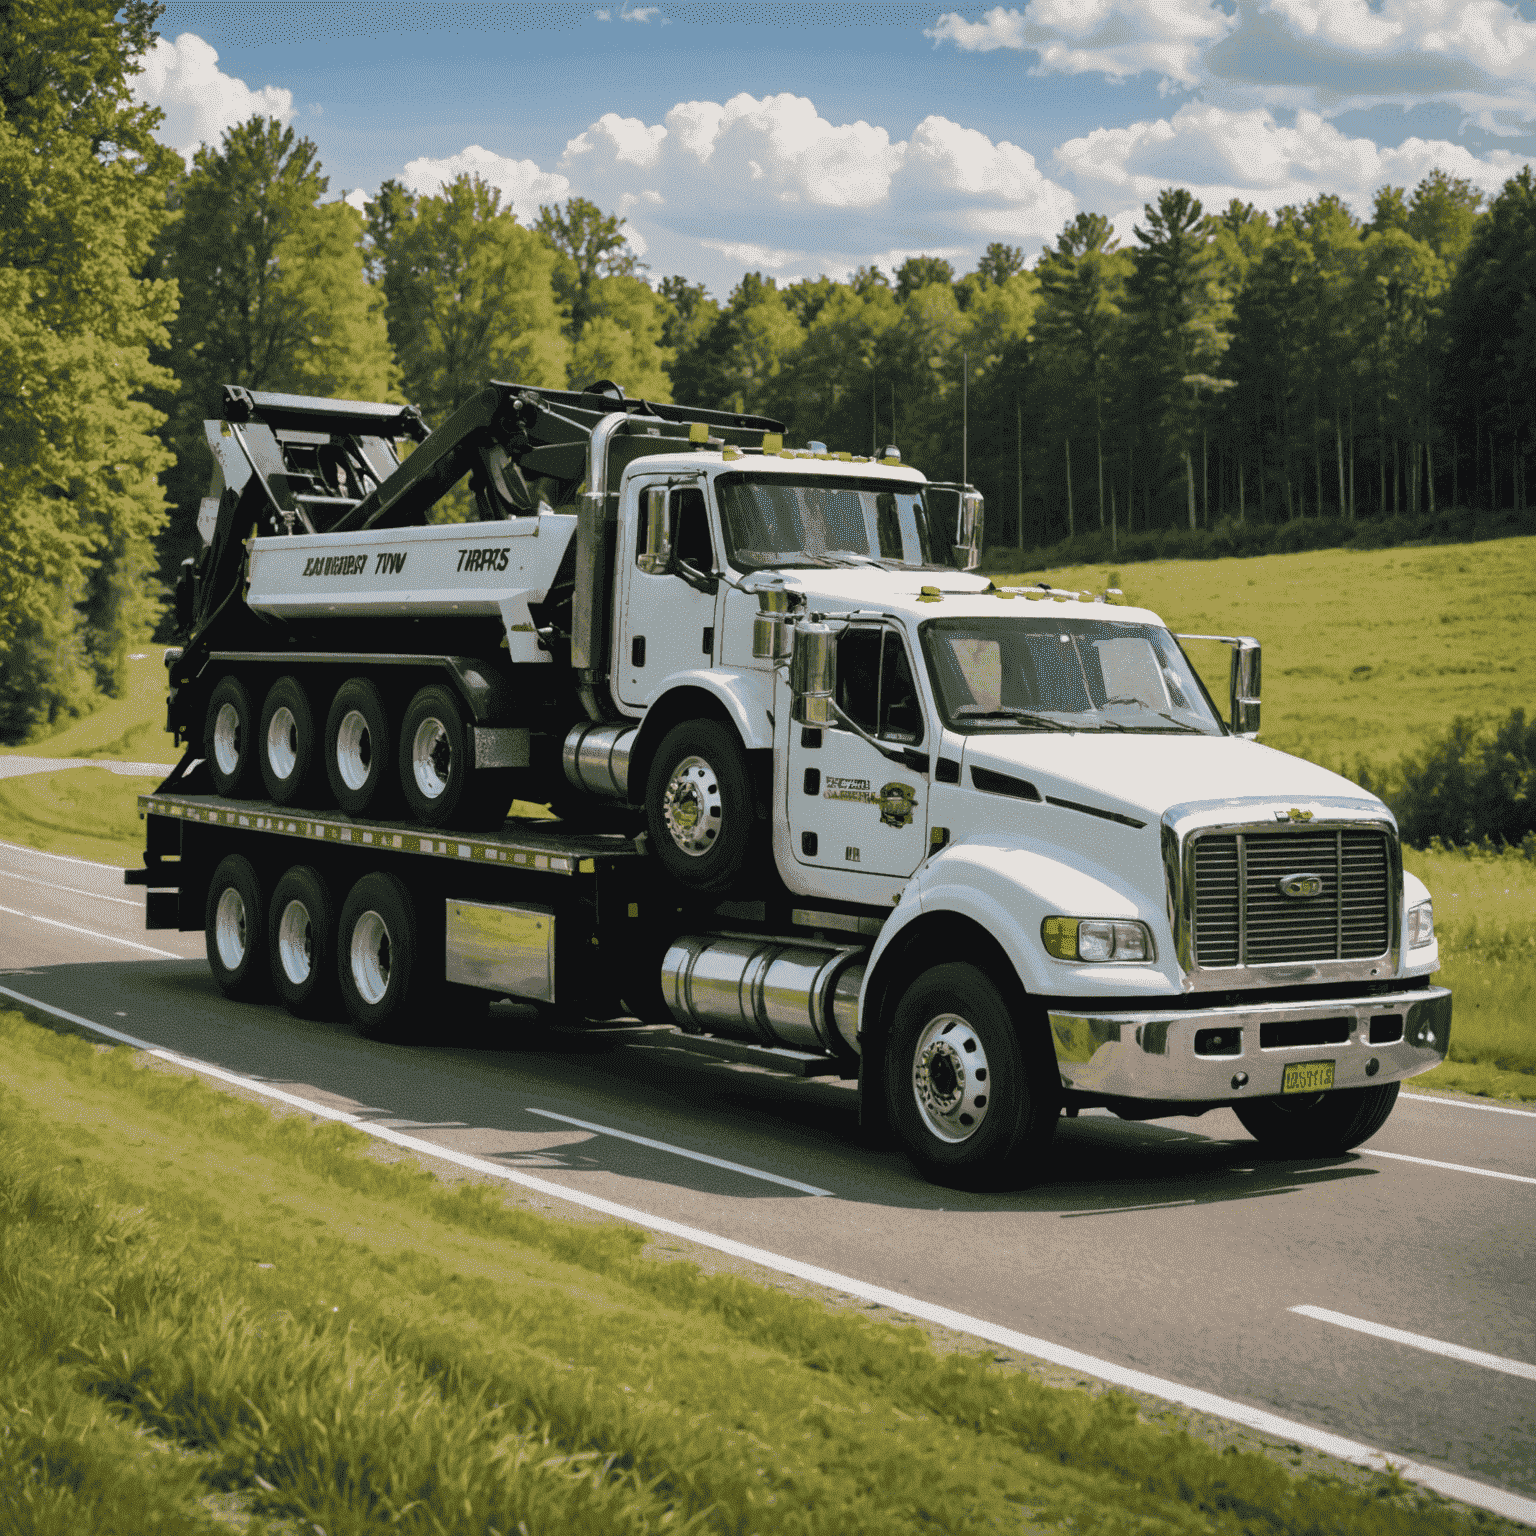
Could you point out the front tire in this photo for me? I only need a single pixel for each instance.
(1320, 1124)
(965, 1094)
(698, 806)
(229, 740)
(234, 929)
(358, 760)
(301, 934)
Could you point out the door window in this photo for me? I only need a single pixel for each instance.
(875, 684)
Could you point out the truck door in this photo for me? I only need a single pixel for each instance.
(668, 625)
(849, 806)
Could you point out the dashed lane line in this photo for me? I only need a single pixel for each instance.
(1421, 1341)
(1500, 1501)
(666, 1146)
(1430, 1162)
(91, 933)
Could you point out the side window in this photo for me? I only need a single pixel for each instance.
(690, 529)
(875, 685)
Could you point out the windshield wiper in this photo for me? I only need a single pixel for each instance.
(1005, 712)
(1178, 725)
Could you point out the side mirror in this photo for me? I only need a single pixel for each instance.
(1246, 673)
(813, 674)
(970, 527)
(656, 558)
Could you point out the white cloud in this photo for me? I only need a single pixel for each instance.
(641, 13)
(523, 186)
(199, 100)
(749, 255)
(1110, 37)
(1220, 154)
(357, 198)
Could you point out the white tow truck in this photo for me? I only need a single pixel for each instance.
(828, 798)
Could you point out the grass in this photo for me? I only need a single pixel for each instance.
(220, 1318)
(88, 812)
(131, 728)
(1365, 651)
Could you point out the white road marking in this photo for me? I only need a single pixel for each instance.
(1430, 1162)
(1500, 1501)
(666, 1146)
(1421, 1341)
(1496, 1109)
(91, 933)
(63, 858)
(122, 901)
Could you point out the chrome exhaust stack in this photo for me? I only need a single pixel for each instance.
(800, 996)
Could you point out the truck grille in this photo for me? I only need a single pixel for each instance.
(1242, 917)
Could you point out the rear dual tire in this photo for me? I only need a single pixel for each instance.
(288, 746)
(438, 779)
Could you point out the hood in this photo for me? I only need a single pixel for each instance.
(1143, 775)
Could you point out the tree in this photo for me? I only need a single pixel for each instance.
(274, 293)
(1442, 213)
(470, 293)
(622, 340)
(1178, 315)
(999, 263)
(82, 197)
(591, 245)
(920, 271)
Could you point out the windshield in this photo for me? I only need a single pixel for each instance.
(772, 521)
(1061, 674)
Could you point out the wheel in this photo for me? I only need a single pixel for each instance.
(698, 806)
(286, 741)
(377, 957)
(234, 921)
(301, 938)
(358, 762)
(1318, 1124)
(438, 778)
(966, 1095)
(229, 737)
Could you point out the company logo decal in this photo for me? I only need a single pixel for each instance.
(1301, 886)
(896, 804)
(483, 559)
(386, 562)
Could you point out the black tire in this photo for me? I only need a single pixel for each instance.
(359, 764)
(698, 806)
(234, 929)
(301, 944)
(438, 779)
(378, 959)
(974, 1104)
(286, 745)
(1318, 1124)
(229, 740)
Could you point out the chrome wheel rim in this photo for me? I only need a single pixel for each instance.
(950, 1078)
(370, 957)
(692, 807)
(295, 939)
(229, 929)
(282, 742)
(354, 749)
(431, 757)
(226, 738)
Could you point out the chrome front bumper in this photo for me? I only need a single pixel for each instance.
(1153, 1055)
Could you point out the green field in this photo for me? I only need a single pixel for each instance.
(1366, 653)
(218, 1318)
(131, 728)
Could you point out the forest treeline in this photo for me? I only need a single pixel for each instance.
(1228, 367)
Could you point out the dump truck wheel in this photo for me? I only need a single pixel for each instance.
(1318, 1124)
(287, 748)
(234, 928)
(229, 740)
(377, 957)
(964, 1093)
(301, 941)
(438, 778)
(358, 760)
(698, 804)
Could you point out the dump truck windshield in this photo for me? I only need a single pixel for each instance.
(1050, 674)
(772, 521)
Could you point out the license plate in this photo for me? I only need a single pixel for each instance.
(1307, 1077)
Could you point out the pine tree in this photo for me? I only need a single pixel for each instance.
(82, 196)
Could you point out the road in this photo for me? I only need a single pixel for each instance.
(1168, 1247)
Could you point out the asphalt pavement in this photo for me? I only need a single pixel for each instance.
(1170, 1247)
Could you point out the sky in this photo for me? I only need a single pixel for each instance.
(800, 139)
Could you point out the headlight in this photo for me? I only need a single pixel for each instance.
(1097, 940)
(1421, 925)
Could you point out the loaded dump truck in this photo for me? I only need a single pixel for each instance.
(818, 792)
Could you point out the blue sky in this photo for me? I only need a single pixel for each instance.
(799, 139)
